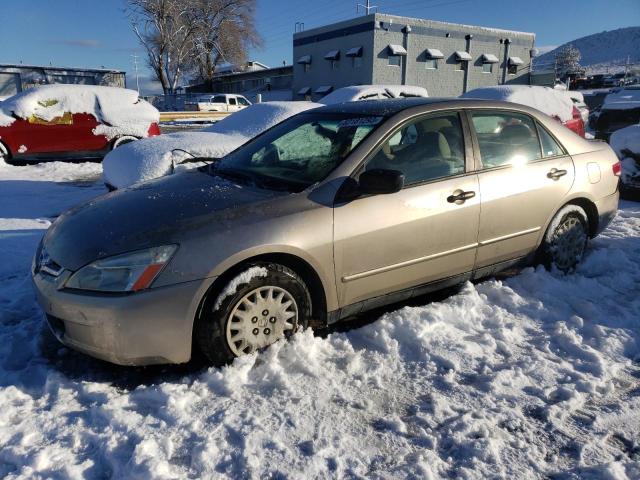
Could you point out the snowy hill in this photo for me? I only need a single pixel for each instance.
(605, 48)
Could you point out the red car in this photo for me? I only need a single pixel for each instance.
(72, 121)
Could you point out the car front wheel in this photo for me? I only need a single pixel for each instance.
(259, 306)
(566, 239)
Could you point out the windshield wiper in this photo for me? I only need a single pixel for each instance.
(233, 174)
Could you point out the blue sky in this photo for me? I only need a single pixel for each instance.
(95, 33)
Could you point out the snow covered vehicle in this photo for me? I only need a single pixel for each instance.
(220, 102)
(372, 92)
(626, 143)
(156, 157)
(621, 108)
(72, 121)
(332, 212)
(555, 103)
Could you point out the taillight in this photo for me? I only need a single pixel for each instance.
(576, 113)
(617, 169)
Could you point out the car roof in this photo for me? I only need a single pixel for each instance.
(388, 107)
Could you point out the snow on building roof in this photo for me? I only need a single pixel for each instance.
(489, 58)
(354, 52)
(304, 91)
(434, 53)
(120, 110)
(324, 89)
(397, 49)
(515, 61)
(547, 100)
(463, 56)
(332, 55)
(305, 59)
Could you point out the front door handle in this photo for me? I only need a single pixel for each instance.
(460, 196)
(555, 174)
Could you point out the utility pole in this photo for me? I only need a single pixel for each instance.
(367, 8)
(135, 66)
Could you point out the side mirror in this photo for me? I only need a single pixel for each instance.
(380, 181)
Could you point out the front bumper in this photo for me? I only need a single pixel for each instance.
(144, 328)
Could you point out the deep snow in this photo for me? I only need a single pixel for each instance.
(528, 376)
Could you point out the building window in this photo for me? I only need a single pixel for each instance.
(513, 69)
(461, 66)
(431, 63)
(395, 60)
(357, 62)
(334, 65)
(307, 67)
(487, 67)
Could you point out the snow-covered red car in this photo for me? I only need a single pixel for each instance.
(555, 103)
(72, 121)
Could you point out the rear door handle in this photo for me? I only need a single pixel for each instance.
(555, 174)
(460, 196)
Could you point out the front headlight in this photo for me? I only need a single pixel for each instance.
(129, 272)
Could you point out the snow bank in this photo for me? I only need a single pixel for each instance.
(369, 92)
(547, 100)
(628, 138)
(120, 111)
(533, 376)
(621, 99)
(154, 157)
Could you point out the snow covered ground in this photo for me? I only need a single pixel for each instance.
(535, 375)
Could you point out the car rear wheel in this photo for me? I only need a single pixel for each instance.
(261, 305)
(566, 239)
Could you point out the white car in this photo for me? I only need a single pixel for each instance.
(372, 92)
(158, 156)
(222, 102)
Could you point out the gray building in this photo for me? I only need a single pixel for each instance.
(18, 77)
(447, 59)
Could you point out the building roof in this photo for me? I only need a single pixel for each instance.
(61, 69)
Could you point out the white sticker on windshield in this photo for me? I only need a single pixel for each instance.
(359, 122)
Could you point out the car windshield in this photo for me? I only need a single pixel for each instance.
(297, 153)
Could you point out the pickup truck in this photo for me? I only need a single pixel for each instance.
(218, 102)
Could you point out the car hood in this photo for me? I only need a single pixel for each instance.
(159, 212)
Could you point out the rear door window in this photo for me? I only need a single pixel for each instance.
(550, 148)
(505, 138)
(232, 101)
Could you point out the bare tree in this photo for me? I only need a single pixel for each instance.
(164, 29)
(224, 31)
(568, 60)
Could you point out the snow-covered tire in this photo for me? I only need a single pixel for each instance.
(253, 310)
(565, 240)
